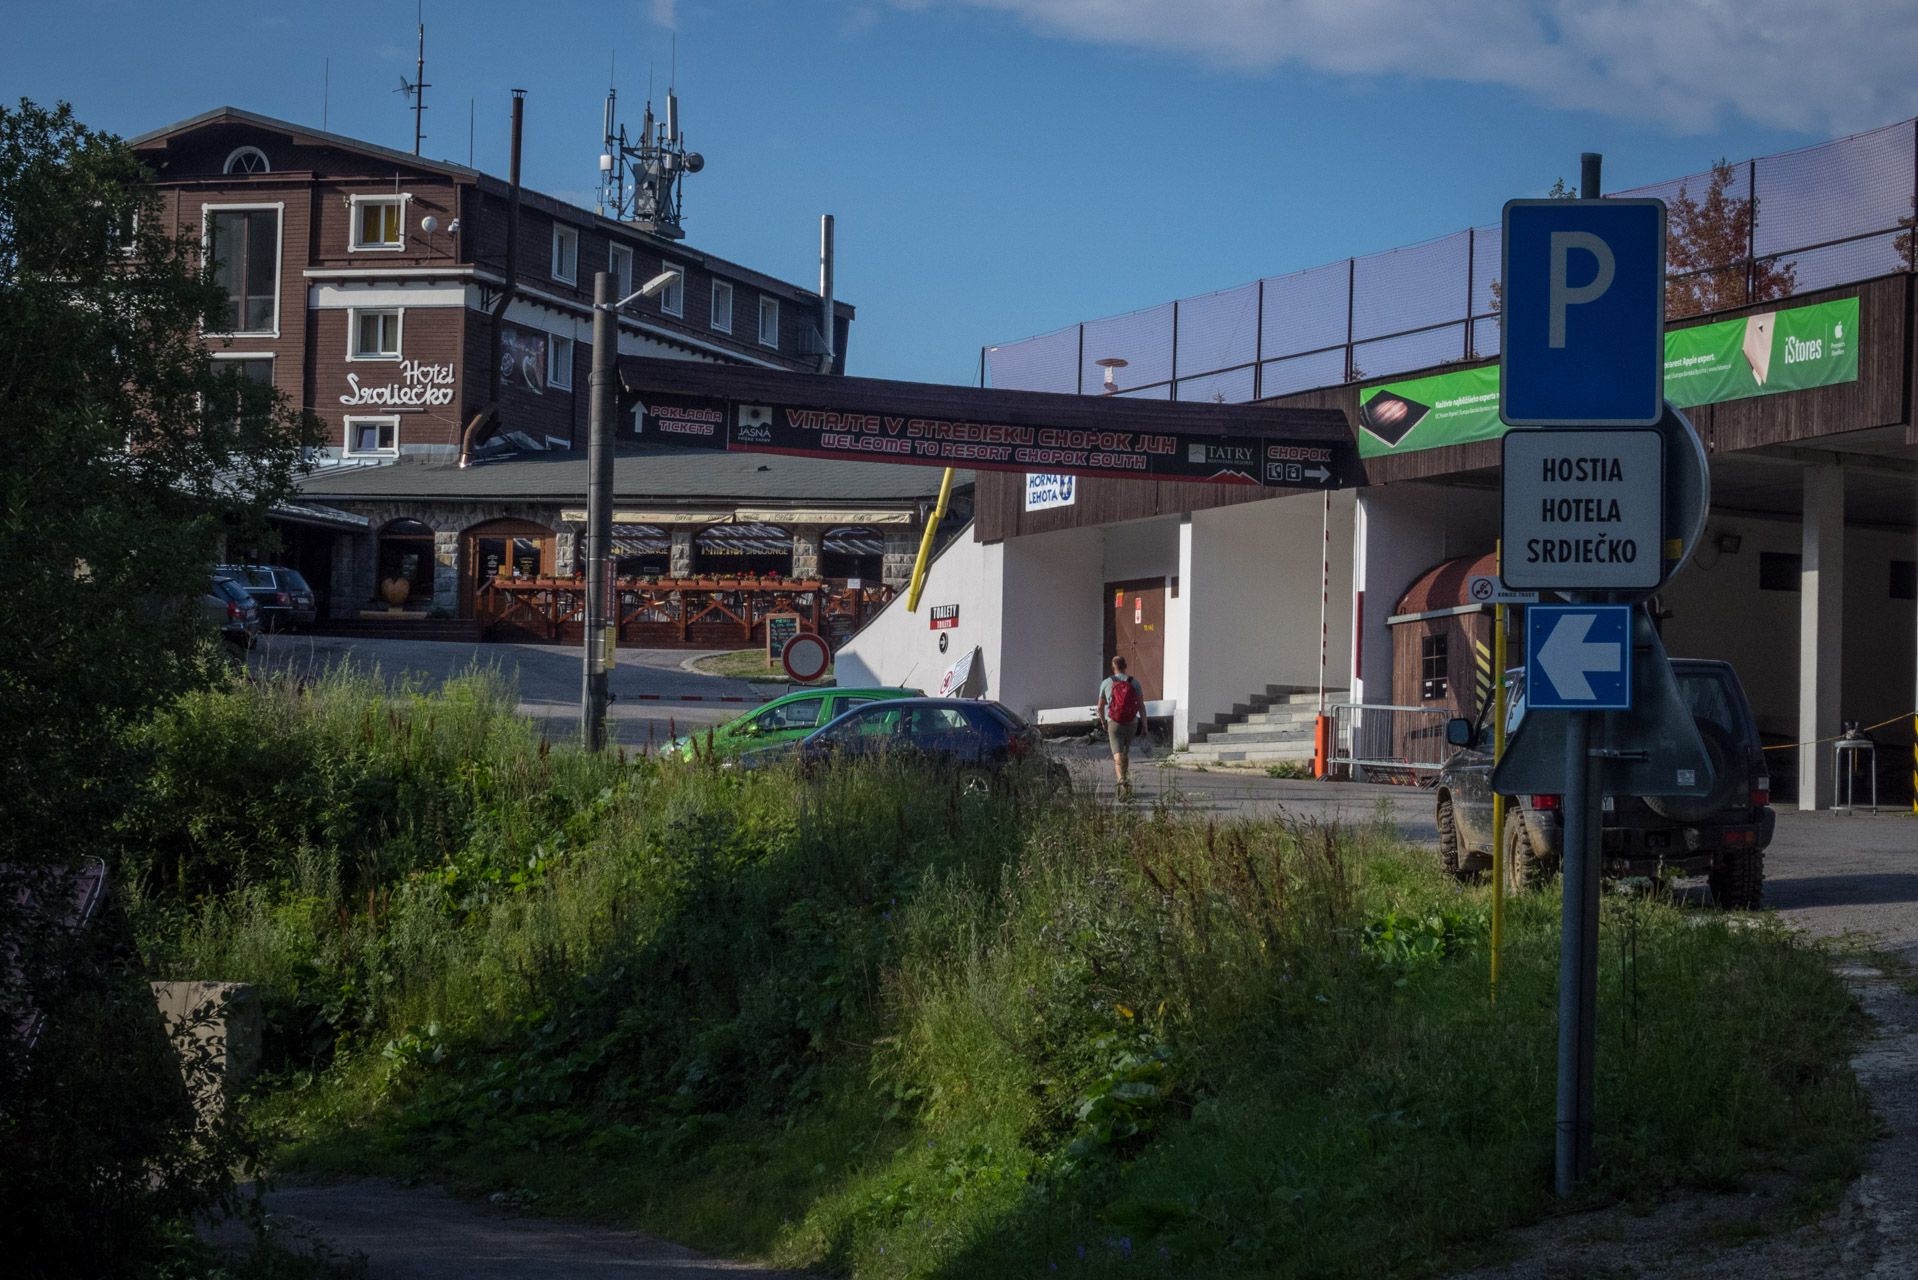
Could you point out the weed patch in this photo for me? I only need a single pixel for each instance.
(869, 1024)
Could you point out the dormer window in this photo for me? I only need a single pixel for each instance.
(379, 222)
(247, 160)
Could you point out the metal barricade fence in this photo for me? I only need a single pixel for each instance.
(1389, 740)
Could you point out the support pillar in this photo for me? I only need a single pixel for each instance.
(446, 570)
(682, 558)
(1178, 640)
(902, 552)
(1821, 606)
(566, 558)
(806, 540)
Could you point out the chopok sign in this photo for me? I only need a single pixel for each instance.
(421, 386)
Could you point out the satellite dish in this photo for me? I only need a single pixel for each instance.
(429, 224)
(694, 162)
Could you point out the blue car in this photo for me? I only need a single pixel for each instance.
(982, 740)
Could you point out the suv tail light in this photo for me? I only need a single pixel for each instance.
(1543, 802)
(1761, 791)
(282, 599)
(233, 612)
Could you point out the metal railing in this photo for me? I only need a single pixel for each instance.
(1389, 740)
(1826, 215)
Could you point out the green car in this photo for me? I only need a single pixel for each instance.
(784, 719)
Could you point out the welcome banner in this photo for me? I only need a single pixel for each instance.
(1757, 355)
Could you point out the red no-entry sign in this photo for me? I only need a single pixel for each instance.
(806, 657)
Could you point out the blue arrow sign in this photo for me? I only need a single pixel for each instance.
(1583, 314)
(1578, 657)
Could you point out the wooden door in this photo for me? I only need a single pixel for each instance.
(1135, 631)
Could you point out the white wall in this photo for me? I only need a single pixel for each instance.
(1053, 625)
(1252, 591)
(900, 648)
(1718, 611)
(1401, 531)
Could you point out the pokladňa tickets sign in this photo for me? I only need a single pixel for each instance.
(1789, 349)
(700, 422)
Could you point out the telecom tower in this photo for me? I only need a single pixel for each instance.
(648, 196)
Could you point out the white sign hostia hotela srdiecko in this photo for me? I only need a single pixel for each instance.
(1584, 510)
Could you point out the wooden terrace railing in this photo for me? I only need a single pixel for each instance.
(675, 612)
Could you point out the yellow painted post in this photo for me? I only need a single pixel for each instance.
(1498, 801)
(925, 544)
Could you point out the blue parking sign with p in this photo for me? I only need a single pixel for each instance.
(1583, 313)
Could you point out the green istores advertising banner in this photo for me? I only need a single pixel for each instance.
(1757, 355)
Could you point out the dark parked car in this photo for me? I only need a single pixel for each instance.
(283, 595)
(982, 740)
(1723, 834)
(228, 607)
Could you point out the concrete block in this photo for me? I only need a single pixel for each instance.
(216, 1028)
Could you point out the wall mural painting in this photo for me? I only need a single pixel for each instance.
(522, 359)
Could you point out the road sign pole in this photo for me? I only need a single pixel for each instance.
(1498, 802)
(1577, 960)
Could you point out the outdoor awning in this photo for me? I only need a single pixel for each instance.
(319, 517)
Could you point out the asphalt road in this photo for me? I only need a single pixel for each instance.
(547, 677)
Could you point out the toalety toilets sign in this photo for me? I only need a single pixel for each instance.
(1790, 349)
(421, 386)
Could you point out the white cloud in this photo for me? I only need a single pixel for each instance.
(665, 13)
(1799, 64)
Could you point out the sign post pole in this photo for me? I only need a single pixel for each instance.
(1499, 870)
(599, 512)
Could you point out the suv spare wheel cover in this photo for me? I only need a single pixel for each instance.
(1728, 776)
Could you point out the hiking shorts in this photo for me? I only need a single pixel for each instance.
(1121, 736)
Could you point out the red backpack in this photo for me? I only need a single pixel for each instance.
(1123, 703)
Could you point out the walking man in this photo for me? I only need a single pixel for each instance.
(1122, 712)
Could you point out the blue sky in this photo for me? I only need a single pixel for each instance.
(1000, 168)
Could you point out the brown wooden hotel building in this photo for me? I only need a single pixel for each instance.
(364, 282)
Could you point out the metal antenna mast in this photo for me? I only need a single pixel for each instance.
(415, 90)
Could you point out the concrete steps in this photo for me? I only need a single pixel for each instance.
(1268, 727)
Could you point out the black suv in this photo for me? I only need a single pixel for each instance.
(283, 595)
(1723, 834)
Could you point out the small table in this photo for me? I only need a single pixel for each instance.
(1844, 764)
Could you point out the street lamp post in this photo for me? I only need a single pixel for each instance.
(601, 601)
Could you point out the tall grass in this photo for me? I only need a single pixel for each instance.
(869, 1024)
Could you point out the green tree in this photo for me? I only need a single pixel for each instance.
(123, 457)
(1906, 245)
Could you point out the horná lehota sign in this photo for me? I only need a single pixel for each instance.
(1790, 349)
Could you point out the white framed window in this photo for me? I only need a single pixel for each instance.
(619, 261)
(242, 241)
(722, 306)
(379, 223)
(246, 160)
(565, 254)
(375, 333)
(768, 321)
(559, 362)
(672, 299)
(253, 366)
(373, 437)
